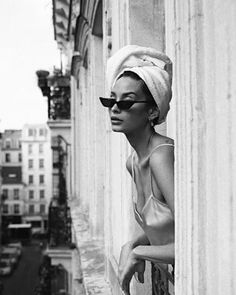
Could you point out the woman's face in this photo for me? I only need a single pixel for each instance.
(135, 118)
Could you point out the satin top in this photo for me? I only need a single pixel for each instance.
(155, 218)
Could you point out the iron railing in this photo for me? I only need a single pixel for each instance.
(162, 279)
(45, 274)
(59, 105)
(57, 89)
(59, 226)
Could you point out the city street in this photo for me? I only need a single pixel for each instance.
(25, 277)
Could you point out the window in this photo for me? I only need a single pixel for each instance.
(42, 208)
(5, 208)
(31, 194)
(40, 148)
(41, 163)
(30, 163)
(16, 208)
(31, 179)
(30, 149)
(30, 132)
(41, 178)
(20, 157)
(5, 193)
(16, 194)
(41, 132)
(8, 144)
(41, 194)
(31, 209)
(8, 157)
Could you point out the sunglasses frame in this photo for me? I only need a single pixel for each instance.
(119, 103)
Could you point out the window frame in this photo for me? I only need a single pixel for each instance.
(8, 157)
(31, 177)
(31, 206)
(41, 132)
(8, 143)
(41, 163)
(7, 193)
(31, 194)
(42, 195)
(41, 148)
(14, 208)
(30, 163)
(30, 132)
(4, 207)
(16, 196)
(41, 179)
(30, 149)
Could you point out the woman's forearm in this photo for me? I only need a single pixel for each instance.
(157, 254)
(139, 240)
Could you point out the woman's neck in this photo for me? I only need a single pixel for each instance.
(141, 142)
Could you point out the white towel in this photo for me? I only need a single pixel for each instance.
(152, 66)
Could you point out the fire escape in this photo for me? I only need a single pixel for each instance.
(55, 273)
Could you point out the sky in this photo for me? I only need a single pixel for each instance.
(27, 44)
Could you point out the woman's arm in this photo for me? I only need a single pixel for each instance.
(141, 239)
(127, 249)
(136, 262)
(156, 254)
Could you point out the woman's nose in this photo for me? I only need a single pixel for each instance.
(115, 108)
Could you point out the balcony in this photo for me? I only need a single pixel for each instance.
(59, 226)
(56, 88)
(59, 250)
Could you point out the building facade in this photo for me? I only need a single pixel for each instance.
(37, 174)
(12, 187)
(199, 38)
(56, 87)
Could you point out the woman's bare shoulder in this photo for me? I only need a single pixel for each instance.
(163, 151)
(161, 139)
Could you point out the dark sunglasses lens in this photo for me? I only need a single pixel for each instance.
(107, 102)
(124, 105)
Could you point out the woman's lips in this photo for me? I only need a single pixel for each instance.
(115, 120)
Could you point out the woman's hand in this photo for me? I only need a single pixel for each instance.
(132, 266)
(124, 254)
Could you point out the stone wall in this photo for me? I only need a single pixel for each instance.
(201, 40)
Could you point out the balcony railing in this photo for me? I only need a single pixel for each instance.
(59, 226)
(162, 280)
(59, 106)
(45, 276)
(52, 278)
(57, 89)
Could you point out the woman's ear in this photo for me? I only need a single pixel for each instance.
(153, 113)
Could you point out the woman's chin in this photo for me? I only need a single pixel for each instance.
(117, 128)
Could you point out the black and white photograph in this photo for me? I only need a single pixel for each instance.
(117, 147)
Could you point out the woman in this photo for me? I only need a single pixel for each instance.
(140, 83)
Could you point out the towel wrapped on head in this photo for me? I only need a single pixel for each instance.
(152, 66)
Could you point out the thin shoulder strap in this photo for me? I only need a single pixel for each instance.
(133, 176)
(162, 144)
